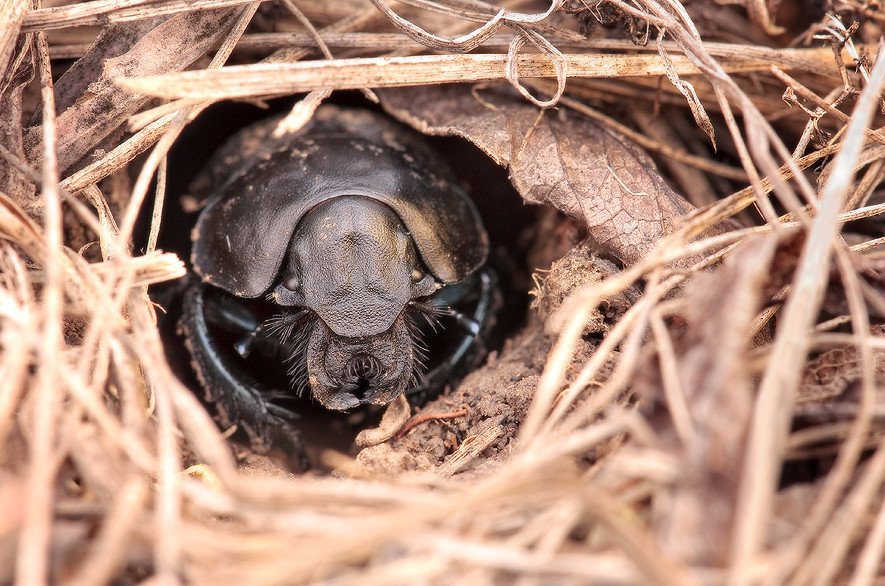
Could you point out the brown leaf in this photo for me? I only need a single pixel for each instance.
(829, 382)
(173, 45)
(114, 40)
(555, 157)
(16, 74)
(12, 13)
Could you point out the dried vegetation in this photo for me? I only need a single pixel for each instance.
(710, 413)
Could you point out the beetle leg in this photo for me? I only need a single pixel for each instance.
(246, 344)
(239, 399)
(468, 324)
(223, 313)
(476, 323)
(476, 326)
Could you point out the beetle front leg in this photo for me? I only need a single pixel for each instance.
(238, 397)
(476, 326)
(477, 323)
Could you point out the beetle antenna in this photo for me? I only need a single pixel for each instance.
(293, 329)
(431, 306)
(419, 347)
(414, 379)
(431, 309)
(433, 322)
(296, 358)
(418, 343)
(282, 325)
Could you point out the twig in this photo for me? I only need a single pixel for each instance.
(772, 410)
(395, 416)
(105, 11)
(823, 104)
(428, 416)
(12, 14)
(871, 556)
(33, 554)
(281, 79)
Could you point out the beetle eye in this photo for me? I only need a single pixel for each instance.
(417, 275)
(291, 283)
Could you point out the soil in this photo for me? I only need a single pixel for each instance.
(472, 427)
(493, 401)
(497, 395)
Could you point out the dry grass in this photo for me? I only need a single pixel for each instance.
(110, 466)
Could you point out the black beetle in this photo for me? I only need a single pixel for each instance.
(349, 230)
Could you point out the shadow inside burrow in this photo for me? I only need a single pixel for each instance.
(512, 227)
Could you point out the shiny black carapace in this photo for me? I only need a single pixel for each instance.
(357, 237)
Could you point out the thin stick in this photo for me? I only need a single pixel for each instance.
(771, 416)
(157, 213)
(255, 42)
(826, 552)
(871, 557)
(674, 393)
(822, 103)
(167, 514)
(429, 416)
(32, 565)
(105, 11)
(242, 81)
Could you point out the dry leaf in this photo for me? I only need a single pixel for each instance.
(16, 73)
(115, 40)
(173, 45)
(828, 376)
(555, 157)
(12, 13)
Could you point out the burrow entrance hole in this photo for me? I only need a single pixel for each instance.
(524, 238)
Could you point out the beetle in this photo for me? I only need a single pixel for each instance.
(330, 254)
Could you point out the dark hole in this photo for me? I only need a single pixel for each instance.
(507, 219)
(363, 385)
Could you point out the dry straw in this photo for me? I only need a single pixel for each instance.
(655, 458)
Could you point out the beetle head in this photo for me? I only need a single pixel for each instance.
(346, 372)
(354, 265)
